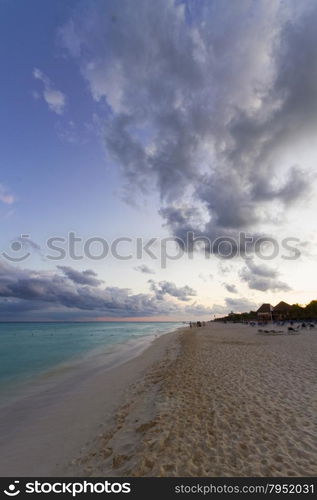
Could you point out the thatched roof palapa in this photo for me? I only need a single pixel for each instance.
(282, 307)
(265, 308)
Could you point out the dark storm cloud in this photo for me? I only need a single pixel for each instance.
(205, 101)
(24, 290)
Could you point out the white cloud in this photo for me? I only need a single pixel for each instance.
(205, 278)
(240, 305)
(262, 277)
(169, 288)
(5, 195)
(54, 98)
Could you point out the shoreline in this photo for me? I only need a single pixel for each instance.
(228, 402)
(220, 400)
(105, 357)
(48, 418)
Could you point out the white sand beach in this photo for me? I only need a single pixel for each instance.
(158, 169)
(221, 400)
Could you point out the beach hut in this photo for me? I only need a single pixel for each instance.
(281, 311)
(264, 313)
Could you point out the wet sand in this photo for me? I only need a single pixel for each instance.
(42, 431)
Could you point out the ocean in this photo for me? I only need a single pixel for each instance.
(31, 352)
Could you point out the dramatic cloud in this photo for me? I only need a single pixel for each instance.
(75, 293)
(54, 98)
(144, 269)
(168, 288)
(5, 195)
(207, 102)
(262, 277)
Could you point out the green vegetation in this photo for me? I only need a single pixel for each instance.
(297, 312)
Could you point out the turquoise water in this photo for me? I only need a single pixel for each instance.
(29, 349)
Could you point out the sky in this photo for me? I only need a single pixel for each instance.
(158, 159)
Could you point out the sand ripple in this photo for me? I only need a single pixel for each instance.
(231, 403)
